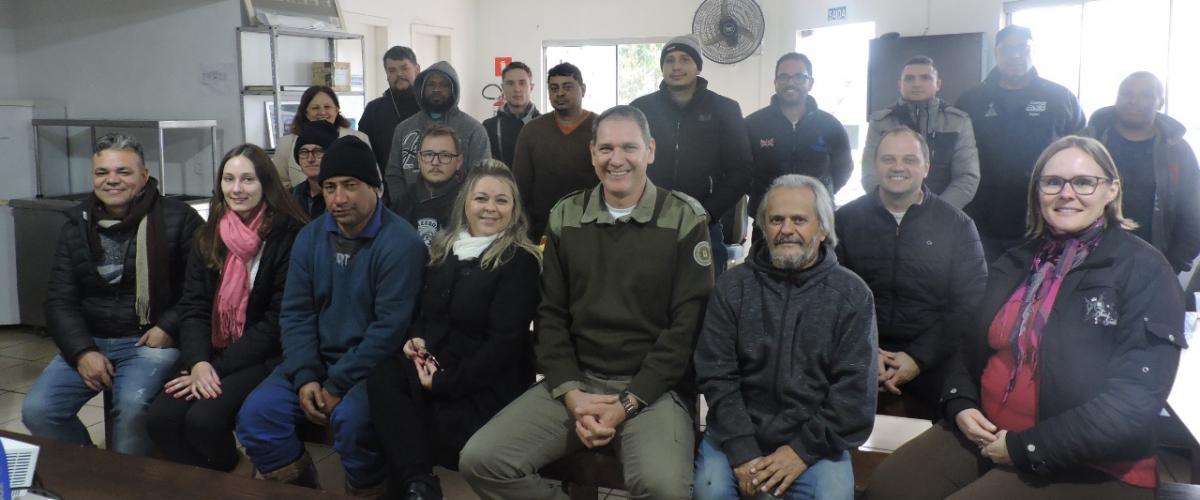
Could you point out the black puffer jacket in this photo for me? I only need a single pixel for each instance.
(788, 357)
(259, 343)
(701, 149)
(927, 274)
(816, 146)
(81, 305)
(1107, 358)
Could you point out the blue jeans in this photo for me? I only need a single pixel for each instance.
(720, 254)
(266, 426)
(824, 480)
(51, 407)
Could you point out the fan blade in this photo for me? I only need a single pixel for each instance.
(743, 31)
(715, 40)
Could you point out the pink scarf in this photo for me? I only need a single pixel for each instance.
(242, 241)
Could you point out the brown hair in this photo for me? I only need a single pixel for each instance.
(513, 238)
(439, 130)
(310, 93)
(1035, 223)
(278, 200)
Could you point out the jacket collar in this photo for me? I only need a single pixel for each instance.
(760, 262)
(993, 78)
(877, 201)
(596, 211)
(530, 113)
(810, 106)
(1105, 119)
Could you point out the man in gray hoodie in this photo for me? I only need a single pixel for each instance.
(787, 359)
(438, 90)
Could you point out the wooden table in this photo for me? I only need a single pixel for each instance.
(77, 472)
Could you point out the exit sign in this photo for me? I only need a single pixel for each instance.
(837, 13)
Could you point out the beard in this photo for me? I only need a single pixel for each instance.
(441, 105)
(796, 261)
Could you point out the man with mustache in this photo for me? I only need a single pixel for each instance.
(787, 359)
(922, 258)
(701, 136)
(398, 102)
(793, 136)
(430, 199)
(553, 157)
(438, 92)
(953, 162)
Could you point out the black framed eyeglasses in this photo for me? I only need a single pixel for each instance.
(315, 154)
(1081, 184)
(442, 157)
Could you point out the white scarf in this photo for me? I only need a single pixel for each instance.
(467, 247)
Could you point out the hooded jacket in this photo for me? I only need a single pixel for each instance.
(701, 148)
(953, 159)
(817, 146)
(789, 357)
(381, 116)
(1012, 127)
(402, 166)
(1175, 228)
(503, 129)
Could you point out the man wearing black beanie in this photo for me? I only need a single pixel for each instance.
(315, 137)
(352, 285)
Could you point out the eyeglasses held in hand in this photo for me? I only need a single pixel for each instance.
(1081, 184)
(442, 157)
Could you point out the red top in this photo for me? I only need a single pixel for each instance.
(1020, 411)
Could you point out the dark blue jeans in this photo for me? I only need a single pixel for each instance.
(266, 426)
(824, 480)
(720, 254)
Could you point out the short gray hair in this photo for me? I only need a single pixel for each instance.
(625, 112)
(117, 141)
(823, 201)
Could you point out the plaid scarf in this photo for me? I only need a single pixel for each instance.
(1056, 257)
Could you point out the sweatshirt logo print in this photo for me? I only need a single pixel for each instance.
(766, 143)
(1100, 312)
(1035, 108)
(343, 259)
(991, 111)
(820, 146)
(408, 151)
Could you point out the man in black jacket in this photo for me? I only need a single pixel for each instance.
(503, 129)
(110, 303)
(429, 202)
(923, 261)
(786, 359)
(398, 102)
(702, 147)
(1016, 114)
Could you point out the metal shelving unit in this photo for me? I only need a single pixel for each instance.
(274, 33)
(159, 125)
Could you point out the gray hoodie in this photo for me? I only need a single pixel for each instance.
(402, 168)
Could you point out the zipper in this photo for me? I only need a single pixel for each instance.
(675, 168)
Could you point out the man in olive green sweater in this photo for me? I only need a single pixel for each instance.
(626, 273)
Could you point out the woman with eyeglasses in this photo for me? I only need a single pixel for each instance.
(1057, 394)
(229, 312)
(314, 139)
(427, 203)
(469, 352)
(318, 103)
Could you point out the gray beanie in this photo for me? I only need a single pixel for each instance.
(686, 43)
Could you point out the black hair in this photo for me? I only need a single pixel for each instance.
(565, 69)
(795, 56)
(400, 53)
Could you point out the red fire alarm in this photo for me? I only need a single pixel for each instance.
(501, 62)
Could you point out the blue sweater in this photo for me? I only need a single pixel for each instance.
(342, 316)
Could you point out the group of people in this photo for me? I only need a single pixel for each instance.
(381, 282)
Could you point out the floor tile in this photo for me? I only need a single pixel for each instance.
(6, 362)
(318, 452)
(37, 350)
(91, 415)
(20, 377)
(330, 473)
(10, 336)
(96, 431)
(453, 485)
(14, 426)
(97, 401)
(10, 406)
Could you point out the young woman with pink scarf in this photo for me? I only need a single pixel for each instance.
(229, 331)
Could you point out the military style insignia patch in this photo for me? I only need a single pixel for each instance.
(702, 254)
(1100, 312)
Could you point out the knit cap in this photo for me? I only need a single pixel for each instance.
(350, 156)
(688, 44)
(320, 133)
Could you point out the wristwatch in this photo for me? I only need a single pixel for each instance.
(629, 402)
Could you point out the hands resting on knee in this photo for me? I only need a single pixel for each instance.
(597, 416)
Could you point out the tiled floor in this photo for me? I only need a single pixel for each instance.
(23, 355)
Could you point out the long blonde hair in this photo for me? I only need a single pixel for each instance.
(1035, 222)
(513, 238)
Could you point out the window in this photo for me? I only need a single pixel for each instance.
(615, 73)
(1089, 46)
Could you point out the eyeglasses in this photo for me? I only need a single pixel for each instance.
(315, 154)
(1081, 184)
(442, 157)
(798, 77)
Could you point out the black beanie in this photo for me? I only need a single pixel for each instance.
(351, 157)
(686, 43)
(320, 133)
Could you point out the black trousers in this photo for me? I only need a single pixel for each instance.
(416, 430)
(200, 432)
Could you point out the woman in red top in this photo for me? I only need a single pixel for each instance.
(1057, 394)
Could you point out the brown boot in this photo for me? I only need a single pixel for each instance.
(376, 491)
(302, 472)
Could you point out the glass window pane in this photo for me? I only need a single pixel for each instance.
(597, 63)
(1119, 38)
(1055, 41)
(1183, 78)
(638, 72)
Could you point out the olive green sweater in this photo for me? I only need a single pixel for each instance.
(623, 297)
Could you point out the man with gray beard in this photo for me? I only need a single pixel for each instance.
(787, 359)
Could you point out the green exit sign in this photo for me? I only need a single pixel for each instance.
(837, 13)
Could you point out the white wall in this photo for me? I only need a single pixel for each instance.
(517, 28)
(8, 54)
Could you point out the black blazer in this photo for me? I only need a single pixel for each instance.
(1107, 361)
(259, 342)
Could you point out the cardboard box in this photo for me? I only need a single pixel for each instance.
(335, 75)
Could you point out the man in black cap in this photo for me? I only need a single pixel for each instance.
(315, 137)
(703, 150)
(351, 288)
(1016, 114)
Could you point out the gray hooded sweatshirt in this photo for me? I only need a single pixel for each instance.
(402, 168)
